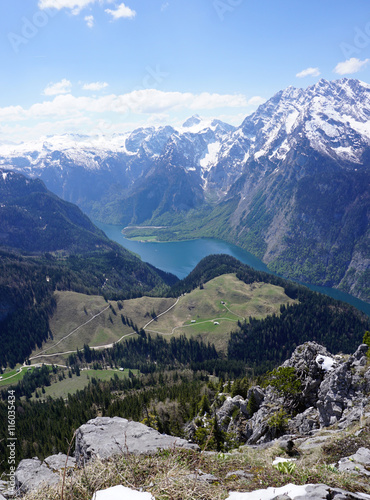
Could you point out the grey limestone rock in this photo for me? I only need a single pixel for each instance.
(362, 456)
(58, 462)
(103, 437)
(257, 393)
(306, 422)
(358, 463)
(348, 465)
(309, 372)
(32, 473)
(341, 394)
(303, 492)
(240, 474)
(226, 411)
(335, 390)
(323, 492)
(205, 478)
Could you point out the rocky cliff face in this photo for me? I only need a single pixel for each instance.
(296, 171)
(311, 390)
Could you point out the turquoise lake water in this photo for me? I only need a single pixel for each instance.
(180, 258)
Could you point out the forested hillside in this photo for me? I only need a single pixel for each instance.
(264, 343)
(177, 379)
(47, 244)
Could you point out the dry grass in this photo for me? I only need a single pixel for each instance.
(177, 474)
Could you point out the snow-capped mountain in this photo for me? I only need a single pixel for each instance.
(331, 118)
(85, 169)
(291, 182)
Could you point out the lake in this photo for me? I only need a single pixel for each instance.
(180, 258)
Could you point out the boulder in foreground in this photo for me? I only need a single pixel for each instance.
(103, 437)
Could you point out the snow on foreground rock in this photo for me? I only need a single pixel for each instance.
(293, 492)
(121, 493)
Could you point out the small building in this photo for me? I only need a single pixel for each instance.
(193, 321)
(216, 323)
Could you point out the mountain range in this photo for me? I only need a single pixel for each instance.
(290, 184)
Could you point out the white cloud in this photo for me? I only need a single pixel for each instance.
(74, 5)
(256, 100)
(89, 21)
(95, 86)
(308, 72)
(164, 6)
(65, 113)
(350, 66)
(122, 11)
(62, 87)
(148, 101)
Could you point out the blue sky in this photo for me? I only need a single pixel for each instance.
(104, 66)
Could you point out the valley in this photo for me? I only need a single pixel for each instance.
(185, 250)
(289, 185)
(87, 319)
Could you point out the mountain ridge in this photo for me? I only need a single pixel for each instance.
(296, 172)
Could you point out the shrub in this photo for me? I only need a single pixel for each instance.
(279, 421)
(285, 381)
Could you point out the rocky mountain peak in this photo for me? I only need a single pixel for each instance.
(311, 390)
(193, 120)
(297, 151)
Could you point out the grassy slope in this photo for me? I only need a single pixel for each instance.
(242, 300)
(75, 309)
(62, 388)
(11, 377)
(204, 306)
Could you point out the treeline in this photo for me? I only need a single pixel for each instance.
(32, 380)
(263, 344)
(216, 265)
(150, 354)
(26, 302)
(46, 428)
(27, 285)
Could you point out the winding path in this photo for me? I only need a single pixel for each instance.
(193, 324)
(71, 333)
(106, 346)
(235, 314)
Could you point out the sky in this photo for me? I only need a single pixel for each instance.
(106, 66)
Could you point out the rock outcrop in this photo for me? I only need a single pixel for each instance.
(315, 391)
(32, 473)
(104, 437)
(333, 390)
(358, 463)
